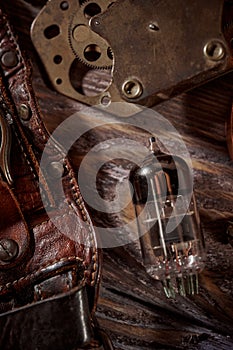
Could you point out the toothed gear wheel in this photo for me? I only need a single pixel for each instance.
(89, 47)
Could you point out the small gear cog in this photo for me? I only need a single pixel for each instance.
(88, 46)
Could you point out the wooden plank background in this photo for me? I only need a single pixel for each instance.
(132, 307)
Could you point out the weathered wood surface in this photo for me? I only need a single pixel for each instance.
(132, 307)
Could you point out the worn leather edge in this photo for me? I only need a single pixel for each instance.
(36, 129)
(30, 324)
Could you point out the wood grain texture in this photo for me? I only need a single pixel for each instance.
(132, 307)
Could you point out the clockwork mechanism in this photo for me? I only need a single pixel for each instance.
(151, 52)
(75, 50)
(88, 46)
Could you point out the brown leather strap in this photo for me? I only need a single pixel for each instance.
(30, 138)
(52, 257)
(49, 324)
(43, 300)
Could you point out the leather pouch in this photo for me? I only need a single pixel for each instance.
(49, 269)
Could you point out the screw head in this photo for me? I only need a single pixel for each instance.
(154, 27)
(132, 88)
(106, 100)
(9, 59)
(8, 249)
(24, 112)
(95, 22)
(214, 50)
(64, 5)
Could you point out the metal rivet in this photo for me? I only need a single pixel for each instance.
(24, 112)
(154, 27)
(96, 22)
(8, 249)
(132, 88)
(214, 50)
(106, 100)
(55, 170)
(9, 59)
(64, 5)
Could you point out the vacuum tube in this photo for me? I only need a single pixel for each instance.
(171, 241)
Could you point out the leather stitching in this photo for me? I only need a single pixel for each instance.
(79, 201)
(12, 40)
(34, 274)
(26, 157)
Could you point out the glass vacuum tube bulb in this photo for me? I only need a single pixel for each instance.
(171, 240)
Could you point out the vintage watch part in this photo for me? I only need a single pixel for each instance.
(143, 76)
(88, 46)
(51, 28)
(168, 51)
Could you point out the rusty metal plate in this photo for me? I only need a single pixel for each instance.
(152, 50)
(167, 47)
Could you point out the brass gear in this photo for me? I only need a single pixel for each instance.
(88, 46)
